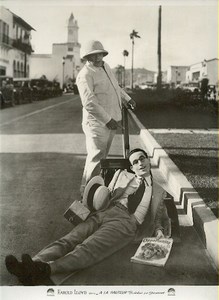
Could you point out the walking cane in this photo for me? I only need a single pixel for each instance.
(125, 132)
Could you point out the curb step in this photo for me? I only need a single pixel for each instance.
(191, 209)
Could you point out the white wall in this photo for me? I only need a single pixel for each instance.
(6, 55)
(207, 69)
(42, 65)
(51, 65)
(9, 54)
(212, 71)
(176, 74)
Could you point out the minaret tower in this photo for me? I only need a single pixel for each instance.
(72, 30)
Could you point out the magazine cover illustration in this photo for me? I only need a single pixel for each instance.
(153, 252)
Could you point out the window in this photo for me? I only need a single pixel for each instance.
(14, 69)
(5, 33)
(195, 76)
(2, 71)
(22, 70)
(70, 49)
(28, 70)
(18, 69)
(1, 28)
(16, 32)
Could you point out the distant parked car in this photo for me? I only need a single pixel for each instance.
(53, 89)
(49, 89)
(57, 89)
(23, 91)
(193, 87)
(70, 88)
(39, 86)
(211, 93)
(6, 91)
(75, 89)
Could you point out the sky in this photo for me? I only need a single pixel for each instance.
(189, 28)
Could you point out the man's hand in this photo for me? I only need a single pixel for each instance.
(112, 124)
(159, 234)
(131, 104)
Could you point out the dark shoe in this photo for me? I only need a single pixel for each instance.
(16, 268)
(40, 271)
(13, 265)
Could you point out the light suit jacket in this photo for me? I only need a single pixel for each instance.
(156, 217)
(100, 94)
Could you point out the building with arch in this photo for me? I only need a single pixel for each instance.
(15, 46)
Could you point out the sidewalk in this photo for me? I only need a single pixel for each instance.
(188, 264)
(192, 210)
(32, 211)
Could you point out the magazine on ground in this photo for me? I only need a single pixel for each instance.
(153, 252)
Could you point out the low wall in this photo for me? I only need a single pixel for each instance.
(191, 207)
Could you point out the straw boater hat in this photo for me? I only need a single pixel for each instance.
(96, 194)
(94, 47)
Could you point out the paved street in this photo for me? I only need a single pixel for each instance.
(42, 157)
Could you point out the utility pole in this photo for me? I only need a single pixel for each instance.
(132, 79)
(63, 72)
(133, 34)
(159, 76)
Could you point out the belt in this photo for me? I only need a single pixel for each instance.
(123, 207)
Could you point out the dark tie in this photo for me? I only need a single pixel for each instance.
(135, 199)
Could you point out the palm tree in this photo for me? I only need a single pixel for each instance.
(125, 53)
(133, 35)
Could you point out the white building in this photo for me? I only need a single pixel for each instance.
(64, 62)
(176, 74)
(205, 69)
(15, 47)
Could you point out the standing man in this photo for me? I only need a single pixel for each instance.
(101, 97)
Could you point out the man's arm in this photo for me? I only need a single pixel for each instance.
(89, 100)
(162, 221)
(127, 100)
(114, 180)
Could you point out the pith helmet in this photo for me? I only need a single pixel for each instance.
(94, 47)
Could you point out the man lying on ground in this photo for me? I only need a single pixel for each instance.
(136, 205)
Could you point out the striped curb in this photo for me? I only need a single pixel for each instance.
(192, 211)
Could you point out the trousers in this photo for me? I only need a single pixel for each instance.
(101, 235)
(98, 142)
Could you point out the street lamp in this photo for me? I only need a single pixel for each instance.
(63, 72)
(73, 65)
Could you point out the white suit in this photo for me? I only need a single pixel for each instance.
(101, 98)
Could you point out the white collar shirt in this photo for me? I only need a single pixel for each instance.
(143, 206)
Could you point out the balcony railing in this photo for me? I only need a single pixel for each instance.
(20, 45)
(16, 43)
